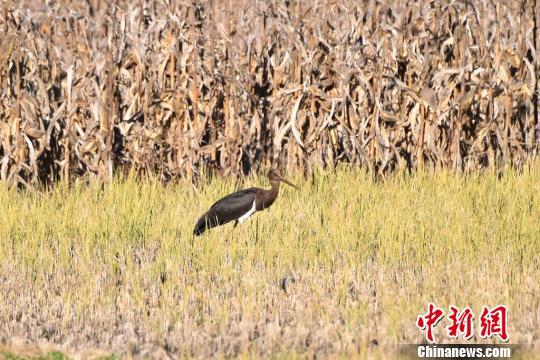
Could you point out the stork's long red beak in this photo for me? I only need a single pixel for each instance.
(281, 178)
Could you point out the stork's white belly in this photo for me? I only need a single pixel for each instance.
(251, 211)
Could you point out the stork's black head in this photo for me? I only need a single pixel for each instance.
(274, 176)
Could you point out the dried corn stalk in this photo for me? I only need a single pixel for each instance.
(167, 88)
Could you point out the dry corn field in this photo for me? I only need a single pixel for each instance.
(168, 88)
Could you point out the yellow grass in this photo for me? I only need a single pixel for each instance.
(343, 266)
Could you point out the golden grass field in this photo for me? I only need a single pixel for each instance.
(341, 267)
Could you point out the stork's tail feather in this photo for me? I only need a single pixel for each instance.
(200, 227)
(207, 221)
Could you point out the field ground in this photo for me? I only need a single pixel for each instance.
(341, 267)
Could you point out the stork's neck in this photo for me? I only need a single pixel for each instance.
(268, 196)
(274, 189)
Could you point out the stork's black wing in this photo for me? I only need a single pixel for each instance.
(230, 208)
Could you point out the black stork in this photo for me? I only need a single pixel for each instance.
(240, 205)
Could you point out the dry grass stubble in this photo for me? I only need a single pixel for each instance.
(343, 266)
